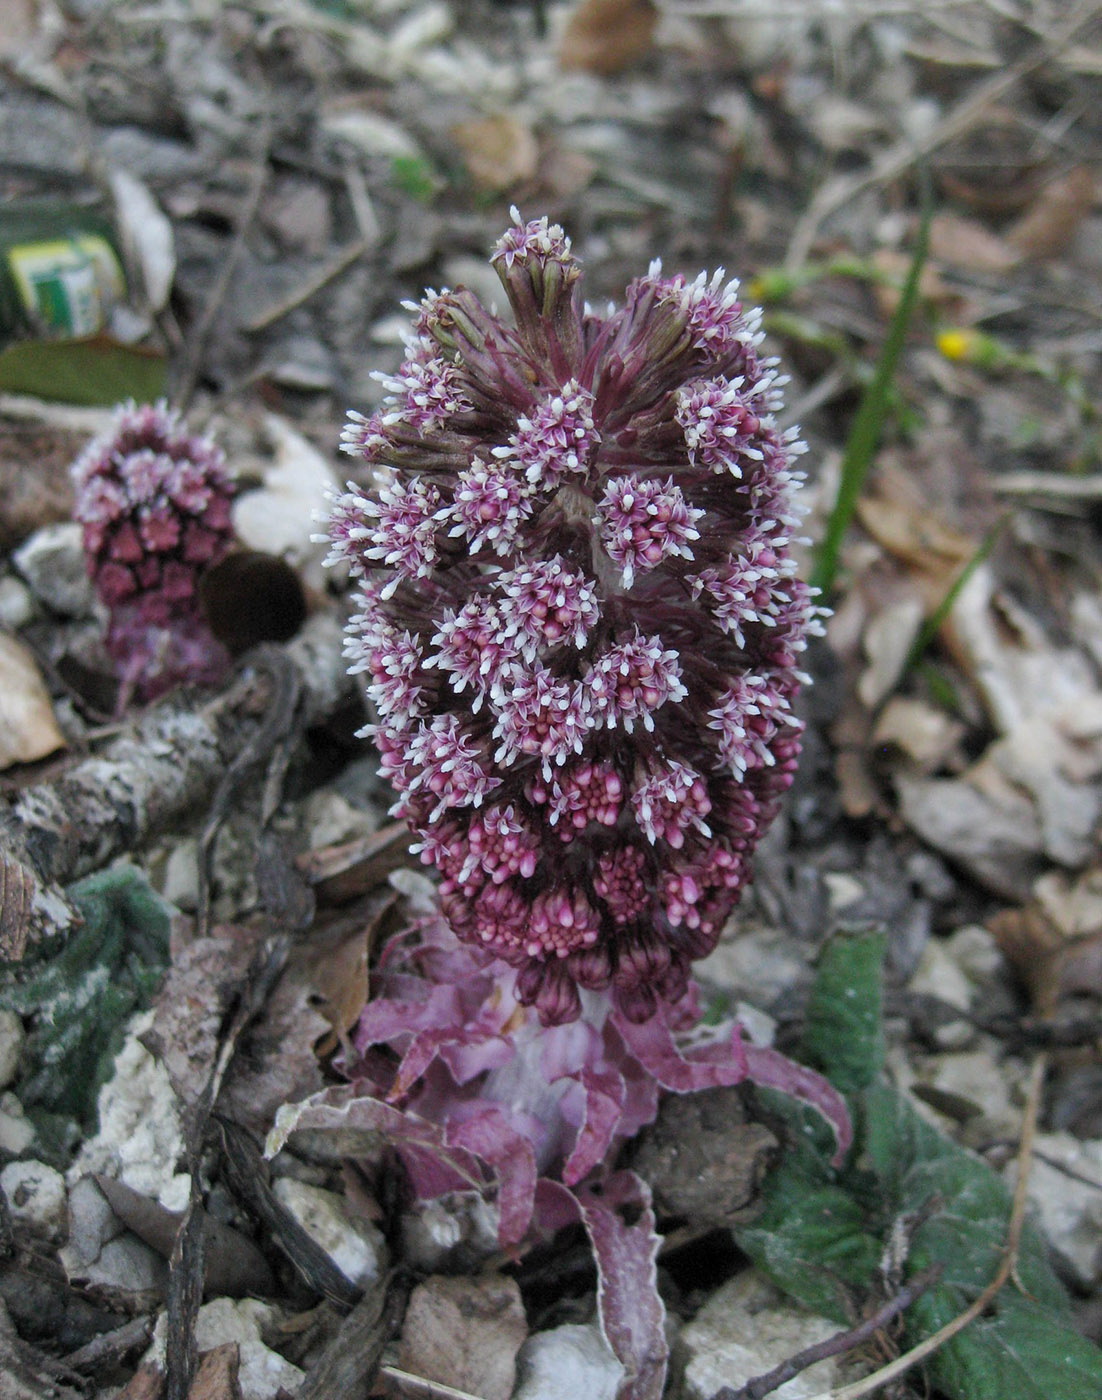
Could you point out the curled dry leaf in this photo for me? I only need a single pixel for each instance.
(608, 36)
(340, 968)
(1054, 943)
(1048, 227)
(925, 735)
(28, 728)
(966, 243)
(500, 152)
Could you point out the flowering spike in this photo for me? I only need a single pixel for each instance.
(583, 621)
(154, 502)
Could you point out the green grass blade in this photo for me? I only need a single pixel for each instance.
(864, 436)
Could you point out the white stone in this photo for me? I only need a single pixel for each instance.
(263, 1372)
(17, 606)
(281, 517)
(180, 875)
(52, 563)
(842, 890)
(12, 1037)
(1070, 1211)
(354, 1245)
(573, 1362)
(758, 963)
(328, 819)
(974, 950)
(139, 1138)
(101, 1252)
(744, 1330)
(36, 1197)
(16, 1129)
(938, 975)
(433, 1231)
(978, 1078)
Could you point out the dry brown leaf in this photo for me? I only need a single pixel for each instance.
(28, 727)
(204, 980)
(1052, 963)
(608, 36)
(913, 533)
(216, 1378)
(926, 735)
(931, 288)
(17, 891)
(465, 1332)
(233, 1267)
(146, 1383)
(1050, 225)
(339, 874)
(500, 152)
(276, 1062)
(340, 968)
(966, 243)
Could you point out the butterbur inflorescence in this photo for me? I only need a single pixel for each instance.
(579, 622)
(154, 501)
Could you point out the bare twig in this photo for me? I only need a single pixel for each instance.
(869, 1385)
(276, 726)
(421, 1389)
(899, 158)
(763, 1385)
(347, 1366)
(197, 341)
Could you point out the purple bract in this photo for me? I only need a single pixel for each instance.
(154, 501)
(580, 622)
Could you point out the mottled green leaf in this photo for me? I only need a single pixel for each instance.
(843, 1036)
(811, 1240)
(81, 998)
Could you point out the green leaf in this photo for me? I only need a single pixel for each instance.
(97, 371)
(1025, 1346)
(82, 997)
(415, 176)
(843, 1036)
(811, 1240)
(1019, 1350)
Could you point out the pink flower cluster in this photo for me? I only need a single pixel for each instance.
(579, 622)
(154, 502)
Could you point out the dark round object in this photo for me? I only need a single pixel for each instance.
(251, 597)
